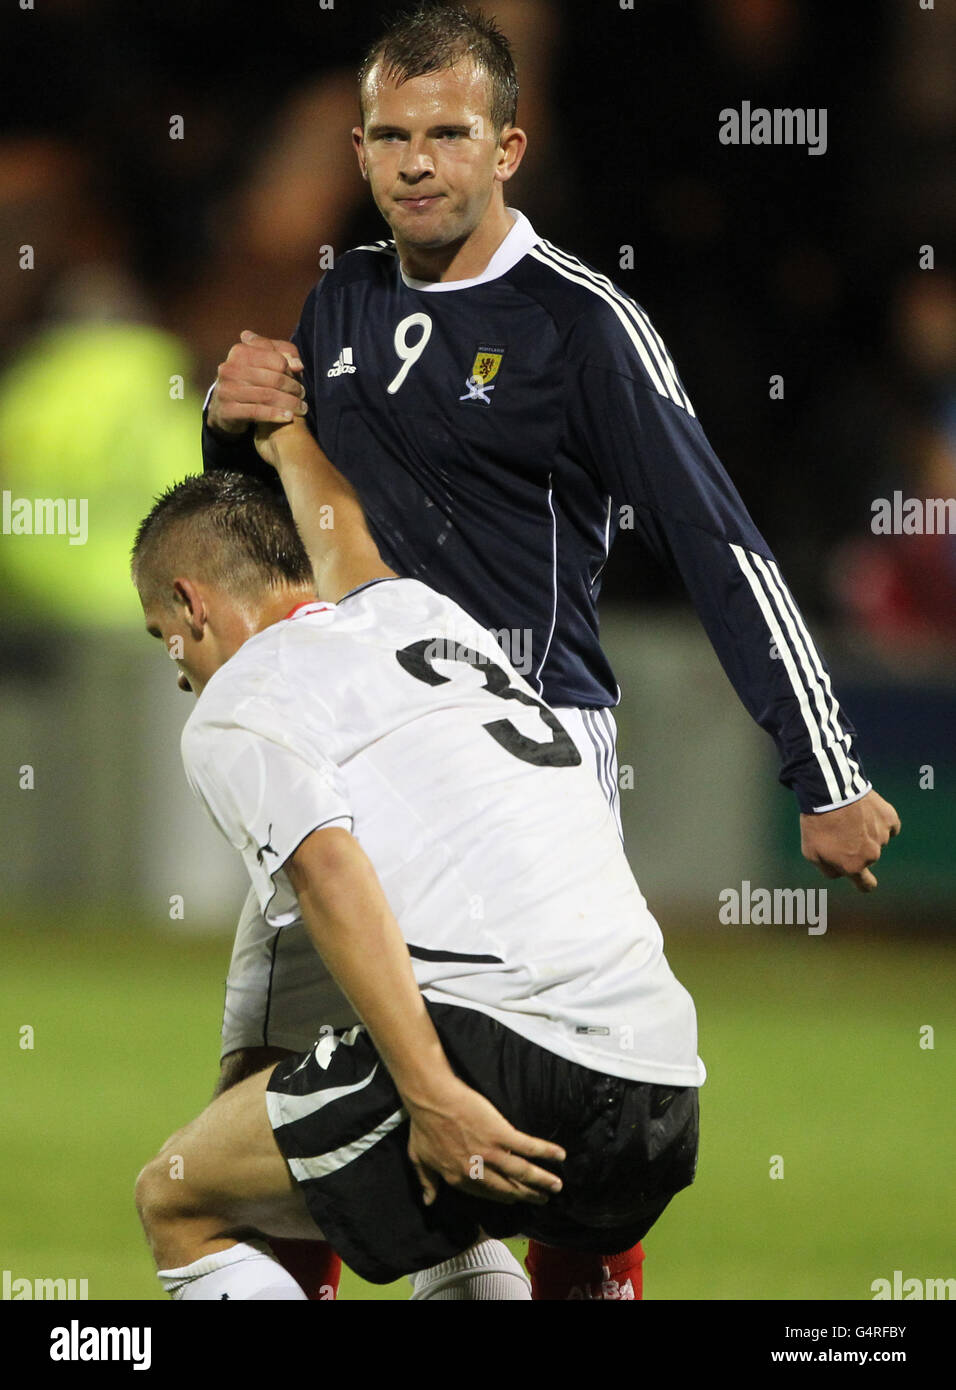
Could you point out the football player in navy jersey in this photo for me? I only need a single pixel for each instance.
(496, 402)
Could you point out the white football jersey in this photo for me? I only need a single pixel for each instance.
(395, 715)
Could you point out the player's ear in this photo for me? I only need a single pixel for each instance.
(512, 144)
(359, 149)
(190, 602)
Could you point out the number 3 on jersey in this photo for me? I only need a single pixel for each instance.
(409, 352)
(562, 751)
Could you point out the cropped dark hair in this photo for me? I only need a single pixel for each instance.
(227, 528)
(435, 36)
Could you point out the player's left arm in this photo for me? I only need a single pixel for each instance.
(456, 1134)
(845, 842)
(326, 509)
(631, 421)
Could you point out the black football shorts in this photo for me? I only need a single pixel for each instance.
(339, 1123)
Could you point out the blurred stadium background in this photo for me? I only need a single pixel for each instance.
(149, 256)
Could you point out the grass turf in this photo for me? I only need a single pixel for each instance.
(812, 1045)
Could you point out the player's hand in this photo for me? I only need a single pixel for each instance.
(465, 1141)
(269, 439)
(847, 841)
(257, 383)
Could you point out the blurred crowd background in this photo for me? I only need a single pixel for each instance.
(150, 254)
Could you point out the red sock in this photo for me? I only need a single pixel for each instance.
(313, 1264)
(565, 1274)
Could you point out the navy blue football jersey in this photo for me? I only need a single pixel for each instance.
(499, 431)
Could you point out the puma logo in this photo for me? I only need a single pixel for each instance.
(267, 847)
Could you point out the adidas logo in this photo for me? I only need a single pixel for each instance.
(342, 364)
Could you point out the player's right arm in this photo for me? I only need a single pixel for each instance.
(285, 806)
(261, 380)
(257, 383)
(354, 930)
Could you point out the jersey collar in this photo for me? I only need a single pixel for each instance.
(516, 244)
(313, 605)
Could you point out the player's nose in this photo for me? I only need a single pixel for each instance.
(416, 163)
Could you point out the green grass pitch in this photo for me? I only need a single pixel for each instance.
(812, 1045)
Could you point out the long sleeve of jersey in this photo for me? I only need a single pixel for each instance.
(630, 421)
(233, 455)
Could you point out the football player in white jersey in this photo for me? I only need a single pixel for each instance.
(392, 782)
